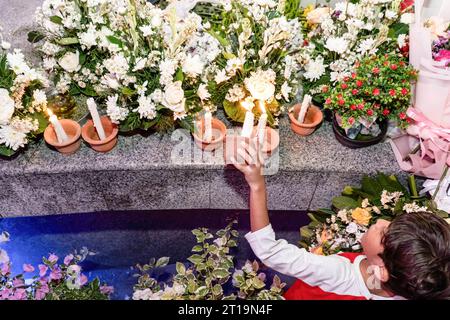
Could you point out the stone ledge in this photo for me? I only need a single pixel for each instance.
(139, 175)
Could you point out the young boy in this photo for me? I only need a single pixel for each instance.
(408, 258)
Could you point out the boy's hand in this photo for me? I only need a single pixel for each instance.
(250, 162)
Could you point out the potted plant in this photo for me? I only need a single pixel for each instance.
(339, 35)
(378, 90)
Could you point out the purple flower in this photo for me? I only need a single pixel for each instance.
(28, 267)
(53, 258)
(42, 291)
(17, 283)
(56, 274)
(42, 270)
(82, 280)
(68, 259)
(20, 294)
(5, 293)
(107, 290)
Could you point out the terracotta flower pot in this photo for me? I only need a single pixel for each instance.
(73, 131)
(219, 131)
(271, 140)
(90, 135)
(313, 118)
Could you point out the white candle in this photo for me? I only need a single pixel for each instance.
(208, 126)
(61, 135)
(96, 118)
(305, 105)
(262, 123)
(247, 128)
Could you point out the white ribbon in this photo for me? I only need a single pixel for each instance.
(443, 197)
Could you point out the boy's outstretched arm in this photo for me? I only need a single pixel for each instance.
(250, 166)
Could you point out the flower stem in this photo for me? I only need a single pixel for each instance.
(444, 174)
(413, 185)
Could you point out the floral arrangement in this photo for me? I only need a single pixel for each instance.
(23, 101)
(55, 281)
(258, 63)
(345, 34)
(341, 228)
(441, 39)
(143, 63)
(209, 275)
(379, 88)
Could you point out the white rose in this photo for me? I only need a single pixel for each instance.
(260, 90)
(316, 16)
(70, 62)
(6, 107)
(173, 97)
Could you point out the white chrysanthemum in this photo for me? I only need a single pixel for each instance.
(286, 91)
(413, 207)
(89, 38)
(6, 107)
(314, 69)
(16, 62)
(203, 92)
(193, 66)
(39, 100)
(147, 108)
(221, 76)
(115, 113)
(367, 46)
(12, 137)
(337, 44)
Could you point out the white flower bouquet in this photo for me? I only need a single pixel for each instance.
(382, 197)
(23, 101)
(342, 35)
(145, 64)
(259, 59)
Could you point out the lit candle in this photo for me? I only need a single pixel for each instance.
(247, 128)
(262, 122)
(92, 106)
(208, 126)
(61, 135)
(305, 105)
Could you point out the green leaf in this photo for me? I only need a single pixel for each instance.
(181, 269)
(258, 283)
(6, 152)
(115, 41)
(343, 202)
(127, 91)
(220, 273)
(197, 248)
(234, 113)
(196, 259)
(67, 41)
(56, 19)
(202, 291)
(43, 121)
(179, 76)
(162, 262)
(35, 36)
(217, 290)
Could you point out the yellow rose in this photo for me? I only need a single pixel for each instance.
(318, 251)
(361, 216)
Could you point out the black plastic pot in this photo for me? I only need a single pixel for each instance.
(340, 135)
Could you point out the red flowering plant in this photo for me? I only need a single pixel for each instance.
(378, 89)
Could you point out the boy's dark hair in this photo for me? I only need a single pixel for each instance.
(417, 256)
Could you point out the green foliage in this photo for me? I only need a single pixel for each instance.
(211, 268)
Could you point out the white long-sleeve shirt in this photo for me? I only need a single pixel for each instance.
(332, 274)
